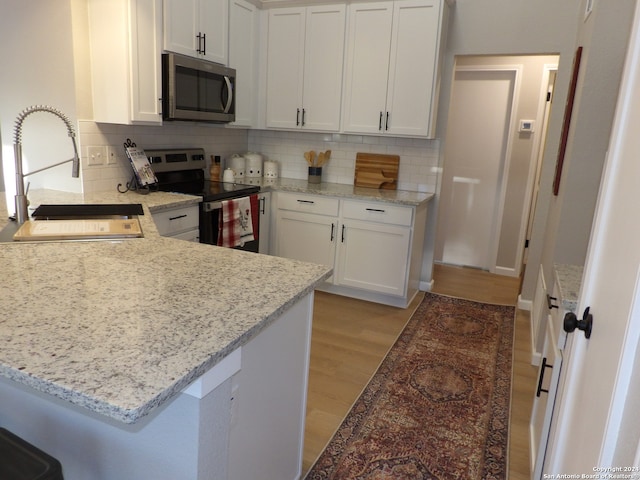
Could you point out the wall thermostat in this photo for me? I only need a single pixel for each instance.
(526, 126)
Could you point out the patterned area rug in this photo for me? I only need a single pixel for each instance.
(438, 406)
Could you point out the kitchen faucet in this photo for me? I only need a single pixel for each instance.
(22, 213)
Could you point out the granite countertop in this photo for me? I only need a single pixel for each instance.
(121, 327)
(403, 197)
(569, 280)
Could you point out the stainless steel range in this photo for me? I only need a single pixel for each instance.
(182, 171)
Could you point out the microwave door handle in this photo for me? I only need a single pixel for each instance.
(230, 96)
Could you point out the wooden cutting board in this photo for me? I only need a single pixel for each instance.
(78, 229)
(375, 170)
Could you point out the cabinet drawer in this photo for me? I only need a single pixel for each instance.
(377, 212)
(177, 220)
(308, 204)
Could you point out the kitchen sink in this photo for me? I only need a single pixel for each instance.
(87, 211)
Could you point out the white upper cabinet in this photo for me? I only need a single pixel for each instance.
(243, 56)
(305, 53)
(125, 41)
(198, 28)
(392, 66)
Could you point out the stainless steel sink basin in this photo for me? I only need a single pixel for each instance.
(84, 210)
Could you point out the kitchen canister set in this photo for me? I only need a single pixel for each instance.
(249, 166)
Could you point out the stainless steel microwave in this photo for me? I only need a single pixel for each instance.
(197, 90)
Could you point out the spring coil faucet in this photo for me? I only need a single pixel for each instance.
(22, 213)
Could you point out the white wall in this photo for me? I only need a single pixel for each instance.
(36, 71)
(563, 227)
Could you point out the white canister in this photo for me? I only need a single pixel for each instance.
(237, 164)
(270, 169)
(253, 165)
(228, 176)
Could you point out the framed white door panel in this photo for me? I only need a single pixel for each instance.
(411, 71)
(476, 152)
(306, 237)
(367, 65)
(374, 257)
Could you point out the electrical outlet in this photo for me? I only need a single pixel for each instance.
(96, 155)
(112, 156)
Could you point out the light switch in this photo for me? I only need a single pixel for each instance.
(96, 155)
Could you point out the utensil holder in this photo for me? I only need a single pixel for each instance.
(315, 175)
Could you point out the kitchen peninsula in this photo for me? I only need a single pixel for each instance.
(154, 357)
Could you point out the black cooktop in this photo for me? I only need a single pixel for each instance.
(182, 171)
(209, 190)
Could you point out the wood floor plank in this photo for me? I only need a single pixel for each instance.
(351, 337)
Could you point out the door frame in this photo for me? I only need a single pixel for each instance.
(535, 166)
(510, 125)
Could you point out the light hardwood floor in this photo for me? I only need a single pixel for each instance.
(351, 337)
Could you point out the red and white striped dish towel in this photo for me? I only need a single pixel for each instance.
(237, 217)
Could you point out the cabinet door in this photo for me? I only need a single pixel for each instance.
(146, 70)
(374, 257)
(543, 402)
(306, 237)
(323, 60)
(414, 46)
(181, 26)
(214, 25)
(243, 50)
(125, 41)
(368, 48)
(285, 64)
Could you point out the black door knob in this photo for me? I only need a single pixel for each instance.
(571, 322)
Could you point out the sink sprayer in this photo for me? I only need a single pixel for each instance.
(22, 213)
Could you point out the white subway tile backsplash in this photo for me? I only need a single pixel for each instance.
(419, 159)
(417, 156)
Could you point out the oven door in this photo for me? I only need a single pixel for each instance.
(210, 213)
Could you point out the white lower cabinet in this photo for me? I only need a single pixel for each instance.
(542, 421)
(182, 223)
(375, 248)
(544, 400)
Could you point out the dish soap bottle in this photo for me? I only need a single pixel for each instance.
(214, 170)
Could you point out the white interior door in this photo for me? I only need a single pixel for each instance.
(598, 422)
(475, 155)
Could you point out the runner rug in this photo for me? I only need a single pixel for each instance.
(438, 406)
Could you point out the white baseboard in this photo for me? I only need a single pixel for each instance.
(426, 286)
(524, 304)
